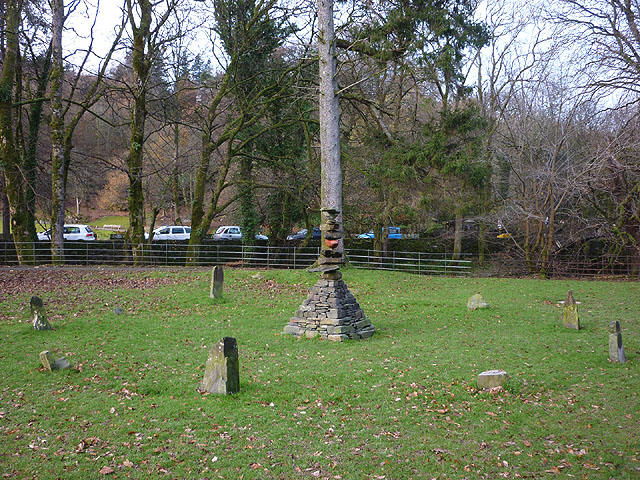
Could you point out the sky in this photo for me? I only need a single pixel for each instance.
(78, 28)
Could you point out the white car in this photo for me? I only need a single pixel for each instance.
(233, 233)
(172, 232)
(72, 232)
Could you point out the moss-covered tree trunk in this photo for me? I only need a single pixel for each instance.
(141, 62)
(6, 214)
(457, 235)
(250, 219)
(30, 158)
(174, 182)
(9, 155)
(57, 136)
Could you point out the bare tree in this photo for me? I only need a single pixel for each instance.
(608, 34)
(63, 127)
(147, 21)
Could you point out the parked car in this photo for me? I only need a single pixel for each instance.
(172, 232)
(72, 232)
(394, 233)
(302, 234)
(233, 233)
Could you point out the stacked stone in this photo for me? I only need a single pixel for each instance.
(331, 312)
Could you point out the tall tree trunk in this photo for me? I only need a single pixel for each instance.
(30, 159)
(141, 66)
(457, 235)
(332, 250)
(6, 215)
(482, 242)
(14, 181)
(58, 173)
(247, 202)
(175, 184)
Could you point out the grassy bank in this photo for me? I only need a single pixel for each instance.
(402, 404)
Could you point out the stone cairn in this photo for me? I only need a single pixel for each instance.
(616, 350)
(330, 311)
(570, 317)
(39, 315)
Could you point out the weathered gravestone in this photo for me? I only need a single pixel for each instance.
(40, 321)
(492, 379)
(476, 301)
(570, 312)
(222, 372)
(50, 363)
(217, 281)
(616, 350)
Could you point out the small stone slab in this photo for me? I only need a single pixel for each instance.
(217, 282)
(222, 372)
(570, 317)
(476, 301)
(50, 363)
(39, 315)
(492, 378)
(616, 350)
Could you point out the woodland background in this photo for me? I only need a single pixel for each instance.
(508, 119)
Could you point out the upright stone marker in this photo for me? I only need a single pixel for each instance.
(222, 372)
(616, 350)
(570, 312)
(217, 282)
(40, 321)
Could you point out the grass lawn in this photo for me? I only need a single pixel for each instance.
(103, 234)
(401, 405)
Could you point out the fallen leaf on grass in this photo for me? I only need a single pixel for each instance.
(106, 471)
(87, 442)
(441, 451)
(554, 469)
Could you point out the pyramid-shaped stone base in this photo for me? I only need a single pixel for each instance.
(330, 312)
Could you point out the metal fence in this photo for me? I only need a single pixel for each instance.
(179, 253)
(504, 264)
(606, 265)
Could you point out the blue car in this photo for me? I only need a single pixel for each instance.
(302, 234)
(394, 233)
